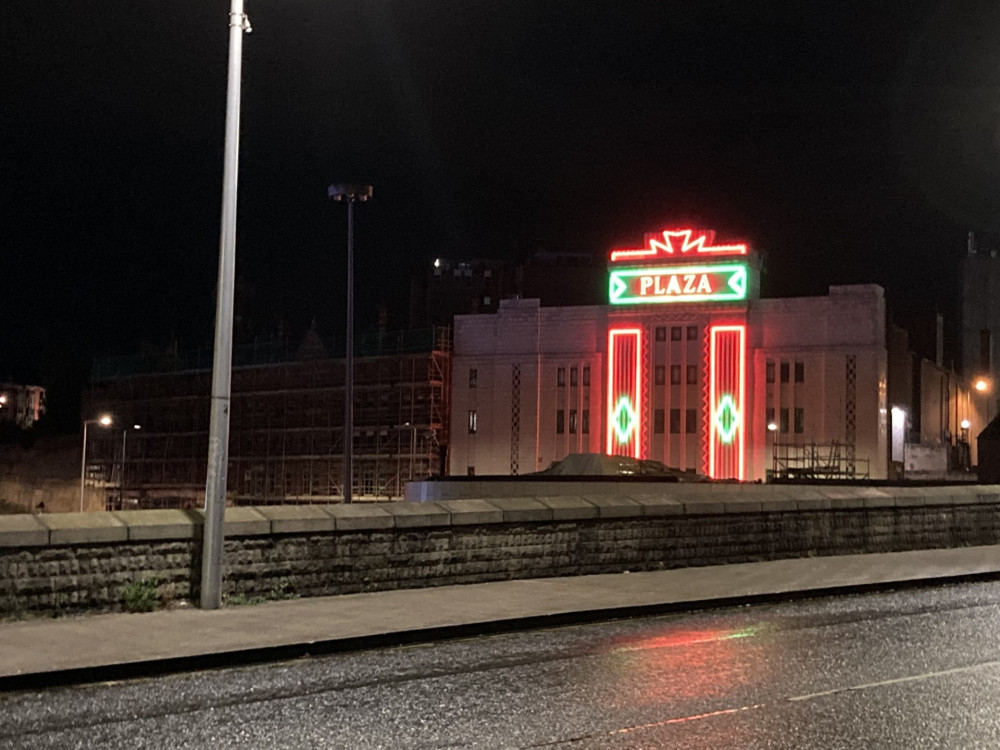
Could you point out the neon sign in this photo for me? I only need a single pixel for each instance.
(718, 282)
(680, 244)
(624, 430)
(726, 399)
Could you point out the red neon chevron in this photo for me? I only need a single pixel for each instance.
(680, 242)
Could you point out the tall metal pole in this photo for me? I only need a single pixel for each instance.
(349, 193)
(218, 430)
(121, 484)
(83, 463)
(349, 361)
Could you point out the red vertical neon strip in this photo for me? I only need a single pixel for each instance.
(726, 402)
(624, 423)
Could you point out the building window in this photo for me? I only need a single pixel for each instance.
(585, 422)
(690, 421)
(574, 376)
(660, 375)
(692, 333)
(470, 470)
(658, 421)
(800, 372)
(487, 301)
(675, 333)
(783, 426)
(560, 421)
(473, 376)
(488, 273)
(675, 421)
(473, 422)
(675, 374)
(784, 372)
(572, 421)
(661, 333)
(769, 371)
(770, 415)
(800, 420)
(561, 377)
(586, 375)
(692, 374)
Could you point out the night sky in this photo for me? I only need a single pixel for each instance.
(848, 141)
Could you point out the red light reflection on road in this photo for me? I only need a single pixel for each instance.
(686, 664)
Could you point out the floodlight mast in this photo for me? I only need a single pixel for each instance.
(351, 193)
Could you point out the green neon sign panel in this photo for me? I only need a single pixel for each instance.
(624, 419)
(719, 282)
(727, 419)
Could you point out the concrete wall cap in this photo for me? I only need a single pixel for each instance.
(297, 519)
(410, 515)
(22, 530)
(879, 500)
(743, 506)
(699, 506)
(907, 499)
(614, 506)
(161, 524)
(817, 502)
(471, 511)
(522, 509)
(653, 505)
(359, 516)
(83, 528)
(845, 502)
(241, 521)
(569, 507)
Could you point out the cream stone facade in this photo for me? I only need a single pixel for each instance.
(530, 383)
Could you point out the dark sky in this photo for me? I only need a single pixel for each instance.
(849, 141)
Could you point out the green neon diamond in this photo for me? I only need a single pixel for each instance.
(726, 418)
(624, 419)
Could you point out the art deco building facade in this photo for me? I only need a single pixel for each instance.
(688, 366)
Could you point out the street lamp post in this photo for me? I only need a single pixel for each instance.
(218, 429)
(351, 194)
(772, 427)
(104, 420)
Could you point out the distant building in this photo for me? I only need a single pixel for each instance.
(686, 365)
(286, 422)
(22, 405)
(980, 311)
(469, 287)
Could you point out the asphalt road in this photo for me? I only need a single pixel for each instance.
(908, 669)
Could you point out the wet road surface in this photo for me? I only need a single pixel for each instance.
(918, 668)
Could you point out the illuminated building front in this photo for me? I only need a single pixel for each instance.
(685, 364)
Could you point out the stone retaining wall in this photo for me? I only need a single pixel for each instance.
(75, 562)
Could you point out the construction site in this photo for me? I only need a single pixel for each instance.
(286, 428)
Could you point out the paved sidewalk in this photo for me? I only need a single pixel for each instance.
(35, 653)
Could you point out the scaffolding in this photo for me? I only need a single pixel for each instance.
(286, 427)
(812, 461)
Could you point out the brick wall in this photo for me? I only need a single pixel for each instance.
(80, 562)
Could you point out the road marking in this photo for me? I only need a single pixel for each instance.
(897, 680)
(756, 706)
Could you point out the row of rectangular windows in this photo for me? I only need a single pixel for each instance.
(660, 374)
(578, 421)
(677, 333)
(690, 421)
(574, 376)
(798, 414)
(783, 371)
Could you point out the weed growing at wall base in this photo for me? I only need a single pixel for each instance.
(140, 596)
